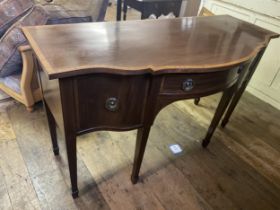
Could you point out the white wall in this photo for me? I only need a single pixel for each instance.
(265, 84)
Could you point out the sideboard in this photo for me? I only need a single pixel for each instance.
(119, 75)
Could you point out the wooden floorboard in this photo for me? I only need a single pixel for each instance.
(14, 173)
(239, 170)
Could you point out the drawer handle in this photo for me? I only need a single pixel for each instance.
(112, 104)
(188, 84)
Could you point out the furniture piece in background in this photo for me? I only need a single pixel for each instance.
(155, 7)
(23, 86)
(17, 76)
(205, 12)
(188, 8)
(122, 91)
(265, 83)
(95, 8)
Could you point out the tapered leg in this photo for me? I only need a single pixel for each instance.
(142, 16)
(141, 141)
(227, 95)
(72, 162)
(124, 10)
(251, 69)
(233, 104)
(196, 101)
(52, 128)
(119, 9)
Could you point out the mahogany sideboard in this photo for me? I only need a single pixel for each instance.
(119, 75)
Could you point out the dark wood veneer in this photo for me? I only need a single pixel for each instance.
(130, 91)
(181, 45)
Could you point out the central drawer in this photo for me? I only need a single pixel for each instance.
(112, 102)
(198, 84)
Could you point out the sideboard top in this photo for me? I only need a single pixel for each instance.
(194, 44)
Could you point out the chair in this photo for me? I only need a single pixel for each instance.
(205, 12)
(156, 7)
(23, 85)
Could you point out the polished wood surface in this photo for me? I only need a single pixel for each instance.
(191, 45)
(130, 93)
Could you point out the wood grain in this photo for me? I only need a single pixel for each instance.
(14, 173)
(186, 45)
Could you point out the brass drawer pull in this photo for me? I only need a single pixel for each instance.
(188, 85)
(112, 104)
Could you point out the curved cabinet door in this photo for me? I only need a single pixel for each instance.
(110, 101)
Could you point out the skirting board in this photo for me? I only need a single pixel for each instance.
(263, 97)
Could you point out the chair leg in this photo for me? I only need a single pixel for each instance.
(30, 108)
(196, 101)
(124, 10)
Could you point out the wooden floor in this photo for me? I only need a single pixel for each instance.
(239, 170)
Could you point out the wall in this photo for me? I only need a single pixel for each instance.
(265, 13)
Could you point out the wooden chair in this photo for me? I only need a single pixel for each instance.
(156, 7)
(23, 87)
(205, 12)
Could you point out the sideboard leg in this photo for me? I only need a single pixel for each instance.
(72, 162)
(239, 92)
(227, 95)
(232, 105)
(52, 128)
(196, 101)
(141, 141)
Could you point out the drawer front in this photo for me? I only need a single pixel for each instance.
(110, 101)
(198, 84)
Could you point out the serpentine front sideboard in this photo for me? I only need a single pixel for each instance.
(119, 75)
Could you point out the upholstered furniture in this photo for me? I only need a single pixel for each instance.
(11, 11)
(17, 75)
(23, 86)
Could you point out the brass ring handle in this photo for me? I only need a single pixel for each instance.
(112, 104)
(188, 85)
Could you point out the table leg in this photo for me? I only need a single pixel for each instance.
(72, 161)
(242, 88)
(141, 141)
(119, 9)
(124, 10)
(227, 95)
(196, 101)
(52, 128)
(144, 13)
